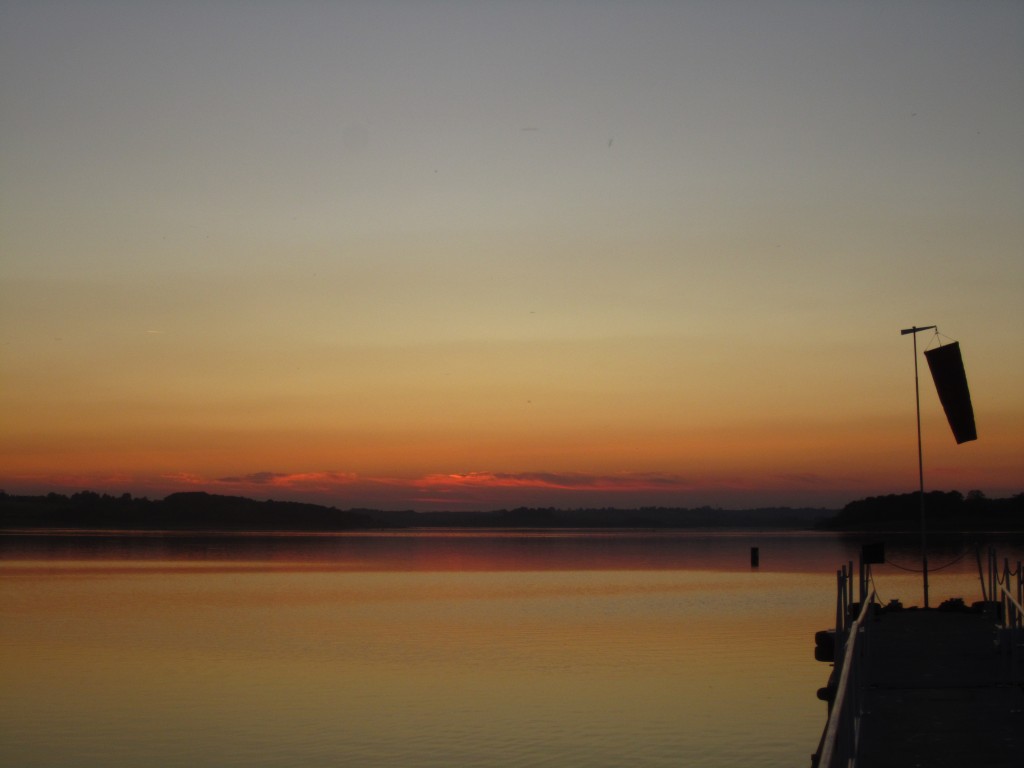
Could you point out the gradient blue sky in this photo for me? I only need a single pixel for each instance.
(421, 254)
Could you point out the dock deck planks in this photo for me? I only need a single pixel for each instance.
(938, 694)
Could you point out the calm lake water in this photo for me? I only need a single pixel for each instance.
(425, 648)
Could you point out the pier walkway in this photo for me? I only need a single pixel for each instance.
(937, 692)
(915, 687)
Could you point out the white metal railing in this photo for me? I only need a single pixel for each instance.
(838, 745)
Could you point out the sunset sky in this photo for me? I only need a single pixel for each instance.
(481, 254)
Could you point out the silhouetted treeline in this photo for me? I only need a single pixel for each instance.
(944, 510)
(204, 511)
(179, 511)
(611, 517)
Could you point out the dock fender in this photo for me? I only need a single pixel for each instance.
(825, 645)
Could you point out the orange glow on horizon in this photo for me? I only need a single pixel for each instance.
(817, 463)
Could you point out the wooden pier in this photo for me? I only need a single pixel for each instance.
(917, 687)
(937, 691)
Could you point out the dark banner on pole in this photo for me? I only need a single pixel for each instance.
(947, 367)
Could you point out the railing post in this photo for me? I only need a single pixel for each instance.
(849, 584)
(1007, 593)
(981, 574)
(992, 572)
(846, 604)
(992, 579)
(1016, 636)
(1020, 585)
(839, 611)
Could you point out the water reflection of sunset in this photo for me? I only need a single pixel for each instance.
(468, 550)
(552, 663)
(419, 648)
(434, 550)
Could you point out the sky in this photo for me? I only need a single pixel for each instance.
(479, 255)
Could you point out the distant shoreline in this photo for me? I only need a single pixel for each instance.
(201, 511)
(205, 513)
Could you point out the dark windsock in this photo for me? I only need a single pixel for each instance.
(947, 367)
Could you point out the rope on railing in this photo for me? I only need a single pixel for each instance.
(874, 588)
(1009, 597)
(1007, 574)
(931, 569)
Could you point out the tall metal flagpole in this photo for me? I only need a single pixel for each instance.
(920, 458)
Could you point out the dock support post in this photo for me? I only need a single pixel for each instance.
(1020, 584)
(840, 591)
(981, 575)
(849, 584)
(992, 572)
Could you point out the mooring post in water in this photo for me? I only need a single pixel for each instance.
(755, 557)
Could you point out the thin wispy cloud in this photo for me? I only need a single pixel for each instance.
(322, 481)
(184, 478)
(567, 481)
